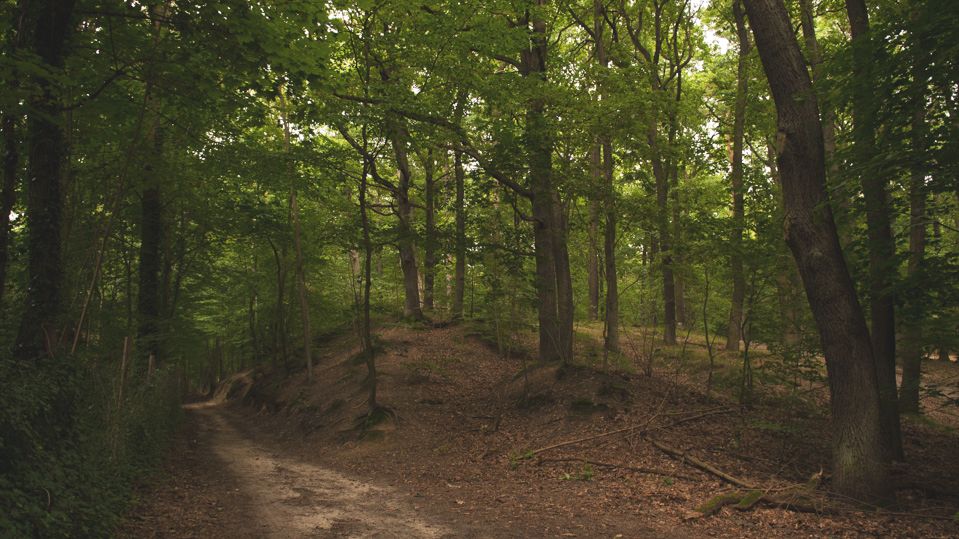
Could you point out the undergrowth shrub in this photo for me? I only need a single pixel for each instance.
(71, 449)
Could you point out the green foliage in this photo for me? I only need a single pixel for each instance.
(68, 454)
(586, 474)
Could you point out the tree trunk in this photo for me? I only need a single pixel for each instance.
(564, 280)
(664, 247)
(297, 245)
(734, 331)
(49, 25)
(151, 207)
(301, 287)
(912, 355)
(405, 240)
(11, 159)
(841, 203)
(280, 347)
(592, 250)
(429, 258)
(859, 465)
(459, 279)
(609, 253)
(882, 247)
(678, 257)
(8, 192)
(554, 289)
(366, 331)
(605, 144)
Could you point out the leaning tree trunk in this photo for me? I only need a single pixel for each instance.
(859, 465)
(49, 25)
(734, 332)
(882, 248)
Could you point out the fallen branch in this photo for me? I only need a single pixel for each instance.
(638, 469)
(644, 428)
(704, 466)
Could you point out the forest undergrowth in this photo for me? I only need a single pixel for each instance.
(584, 448)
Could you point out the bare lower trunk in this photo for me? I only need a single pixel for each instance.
(859, 464)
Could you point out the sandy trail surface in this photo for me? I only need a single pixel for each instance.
(234, 487)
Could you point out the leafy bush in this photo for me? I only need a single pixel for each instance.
(70, 450)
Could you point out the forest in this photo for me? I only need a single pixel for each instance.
(479, 268)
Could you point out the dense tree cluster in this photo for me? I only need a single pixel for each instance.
(191, 188)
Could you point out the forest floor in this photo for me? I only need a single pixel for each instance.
(468, 453)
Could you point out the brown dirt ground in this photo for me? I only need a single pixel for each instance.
(455, 459)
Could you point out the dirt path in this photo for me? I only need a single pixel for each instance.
(224, 484)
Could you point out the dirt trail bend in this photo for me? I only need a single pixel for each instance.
(275, 496)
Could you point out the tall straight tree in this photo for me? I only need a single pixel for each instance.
(859, 464)
(913, 338)
(459, 177)
(553, 278)
(734, 332)
(605, 147)
(151, 203)
(429, 241)
(882, 247)
(48, 23)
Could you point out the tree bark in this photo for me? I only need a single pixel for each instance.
(734, 331)
(48, 23)
(882, 247)
(859, 464)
